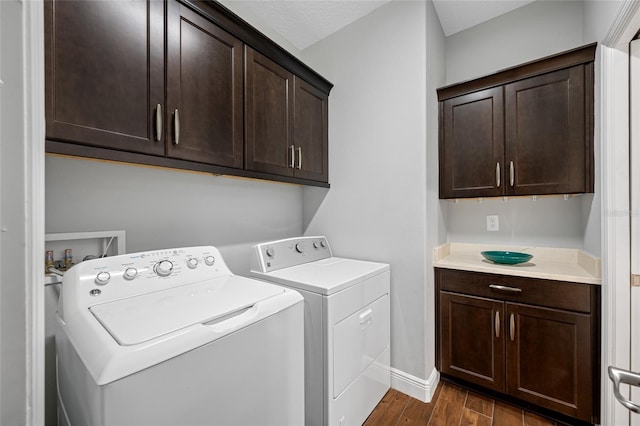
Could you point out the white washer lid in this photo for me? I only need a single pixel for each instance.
(138, 319)
(326, 276)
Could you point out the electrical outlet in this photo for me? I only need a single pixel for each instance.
(493, 223)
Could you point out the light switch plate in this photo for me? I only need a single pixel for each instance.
(493, 223)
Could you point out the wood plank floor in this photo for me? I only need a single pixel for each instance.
(450, 406)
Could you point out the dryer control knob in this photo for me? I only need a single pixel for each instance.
(209, 260)
(130, 273)
(270, 252)
(163, 268)
(102, 278)
(316, 245)
(299, 248)
(322, 244)
(192, 262)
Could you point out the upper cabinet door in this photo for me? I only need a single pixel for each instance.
(105, 73)
(546, 129)
(472, 145)
(268, 116)
(310, 133)
(204, 90)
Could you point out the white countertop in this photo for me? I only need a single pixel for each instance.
(559, 264)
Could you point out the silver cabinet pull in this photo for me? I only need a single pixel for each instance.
(505, 288)
(511, 173)
(512, 327)
(176, 126)
(299, 158)
(158, 122)
(497, 324)
(292, 153)
(498, 174)
(618, 376)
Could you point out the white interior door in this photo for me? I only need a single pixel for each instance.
(634, 194)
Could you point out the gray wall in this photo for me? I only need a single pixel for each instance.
(536, 30)
(162, 208)
(436, 211)
(376, 207)
(13, 354)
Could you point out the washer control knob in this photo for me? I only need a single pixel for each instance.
(270, 252)
(316, 245)
(102, 278)
(322, 244)
(163, 268)
(192, 263)
(209, 260)
(130, 273)
(299, 248)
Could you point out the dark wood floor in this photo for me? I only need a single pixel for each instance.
(450, 405)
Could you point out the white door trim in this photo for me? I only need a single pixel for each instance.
(613, 124)
(34, 131)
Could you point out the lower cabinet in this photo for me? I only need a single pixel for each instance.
(496, 332)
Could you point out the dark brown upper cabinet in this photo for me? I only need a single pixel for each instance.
(105, 74)
(204, 90)
(167, 83)
(311, 139)
(286, 121)
(526, 130)
(269, 115)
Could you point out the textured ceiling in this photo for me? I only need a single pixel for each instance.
(304, 22)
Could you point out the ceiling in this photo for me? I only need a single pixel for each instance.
(304, 22)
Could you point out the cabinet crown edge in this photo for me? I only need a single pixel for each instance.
(579, 55)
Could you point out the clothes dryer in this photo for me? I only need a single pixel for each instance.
(172, 337)
(347, 346)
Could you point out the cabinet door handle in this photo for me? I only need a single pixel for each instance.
(511, 173)
(498, 174)
(299, 157)
(158, 122)
(512, 327)
(497, 324)
(176, 126)
(292, 155)
(505, 288)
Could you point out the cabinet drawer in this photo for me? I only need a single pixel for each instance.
(533, 291)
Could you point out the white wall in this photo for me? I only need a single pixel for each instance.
(13, 328)
(598, 18)
(539, 29)
(162, 208)
(376, 207)
(436, 211)
(531, 32)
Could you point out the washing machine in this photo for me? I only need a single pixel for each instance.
(172, 337)
(346, 319)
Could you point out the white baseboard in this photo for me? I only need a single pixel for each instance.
(413, 386)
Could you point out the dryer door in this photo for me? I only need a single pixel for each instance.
(358, 341)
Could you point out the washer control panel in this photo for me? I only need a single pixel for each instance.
(280, 254)
(111, 278)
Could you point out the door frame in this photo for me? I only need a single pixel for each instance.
(612, 124)
(34, 191)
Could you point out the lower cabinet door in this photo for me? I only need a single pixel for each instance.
(471, 339)
(549, 359)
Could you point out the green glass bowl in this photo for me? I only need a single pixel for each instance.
(506, 257)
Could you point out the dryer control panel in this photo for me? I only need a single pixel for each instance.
(280, 254)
